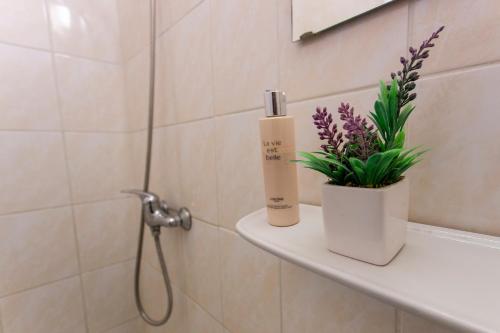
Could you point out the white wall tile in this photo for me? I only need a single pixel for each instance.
(54, 308)
(197, 168)
(315, 304)
(107, 232)
(457, 184)
(100, 165)
(179, 8)
(29, 95)
(202, 271)
(36, 248)
(471, 36)
(134, 26)
(192, 65)
(33, 165)
(164, 18)
(165, 82)
(165, 172)
(136, 72)
(109, 296)
(250, 286)
(24, 22)
(91, 95)
(86, 28)
(238, 153)
(133, 326)
(244, 49)
(198, 320)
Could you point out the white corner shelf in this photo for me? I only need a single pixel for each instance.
(446, 275)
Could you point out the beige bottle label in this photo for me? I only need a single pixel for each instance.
(280, 174)
(278, 158)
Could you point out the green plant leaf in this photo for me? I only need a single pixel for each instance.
(393, 104)
(405, 113)
(358, 169)
(399, 141)
(378, 165)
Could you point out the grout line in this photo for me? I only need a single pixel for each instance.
(217, 163)
(460, 70)
(60, 130)
(335, 94)
(130, 320)
(240, 111)
(66, 163)
(152, 266)
(191, 121)
(67, 277)
(73, 55)
(180, 19)
(33, 48)
(161, 33)
(201, 306)
(125, 132)
(68, 205)
(20, 291)
(206, 222)
(80, 57)
(138, 53)
(214, 117)
(120, 262)
(51, 50)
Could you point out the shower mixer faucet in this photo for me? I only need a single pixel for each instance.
(157, 214)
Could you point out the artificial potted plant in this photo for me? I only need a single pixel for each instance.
(365, 200)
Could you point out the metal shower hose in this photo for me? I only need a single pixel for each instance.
(156, 232)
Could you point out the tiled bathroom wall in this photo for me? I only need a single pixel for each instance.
(73, 108)
(215, 59)
(67, 237)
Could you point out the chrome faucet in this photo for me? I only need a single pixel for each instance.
(157, 214)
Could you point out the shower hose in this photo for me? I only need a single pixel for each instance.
(155, 230)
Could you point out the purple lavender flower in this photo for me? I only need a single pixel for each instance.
(353, 125)
(362, 138)
(407, 77)
(323, 121)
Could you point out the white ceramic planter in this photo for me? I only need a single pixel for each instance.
(366, 224)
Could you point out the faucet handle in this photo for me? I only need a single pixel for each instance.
(146, 197)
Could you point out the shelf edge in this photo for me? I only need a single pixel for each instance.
(366, 287)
